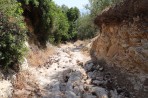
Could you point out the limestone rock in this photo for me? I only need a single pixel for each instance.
(75, 76)
(77, 91)
(88, 66)
(63, 87)
(5, 89)
(100, 92)
(1, 76)
(87, 95)
(145, 85)
(56, 87)
(70, 94)
(96, 82)
(114, 94)
(24, 65)
(69, 87)
(90, 74)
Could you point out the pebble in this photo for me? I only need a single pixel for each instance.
(97, 82)
(100, 92)
(90, 74)
(88, 66)
(87, 95)
(69, 87)
(145, 85)
(97, 68)
(101, 69)
(70, 94)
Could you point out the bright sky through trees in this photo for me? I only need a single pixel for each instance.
(72, 3)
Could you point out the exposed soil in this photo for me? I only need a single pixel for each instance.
(125, 10)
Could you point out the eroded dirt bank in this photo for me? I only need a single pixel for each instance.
(123, 38)
(123, 42)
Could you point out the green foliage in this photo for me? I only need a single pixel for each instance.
(73, 15)
(12, 33)
(97, 6)
(61, 27)
(64, 9)
(115, 1)
(34, 2)
(56, 23)
(86, 28)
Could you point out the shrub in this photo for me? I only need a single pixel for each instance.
(86, 28)
(12, 34)
(49, 23)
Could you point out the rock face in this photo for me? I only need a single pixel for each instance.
(6, 89)
(123, 37)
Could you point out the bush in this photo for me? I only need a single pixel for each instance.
(12, 34)
(86, 28)
(50, 23)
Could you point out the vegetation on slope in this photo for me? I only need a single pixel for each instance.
(12, 33)
(86, 27)
(50, 22)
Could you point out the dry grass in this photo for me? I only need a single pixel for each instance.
(37, 57)
(24, 85)
(20, 81)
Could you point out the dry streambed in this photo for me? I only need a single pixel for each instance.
(69, 73)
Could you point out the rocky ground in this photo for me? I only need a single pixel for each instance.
(69, 73)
